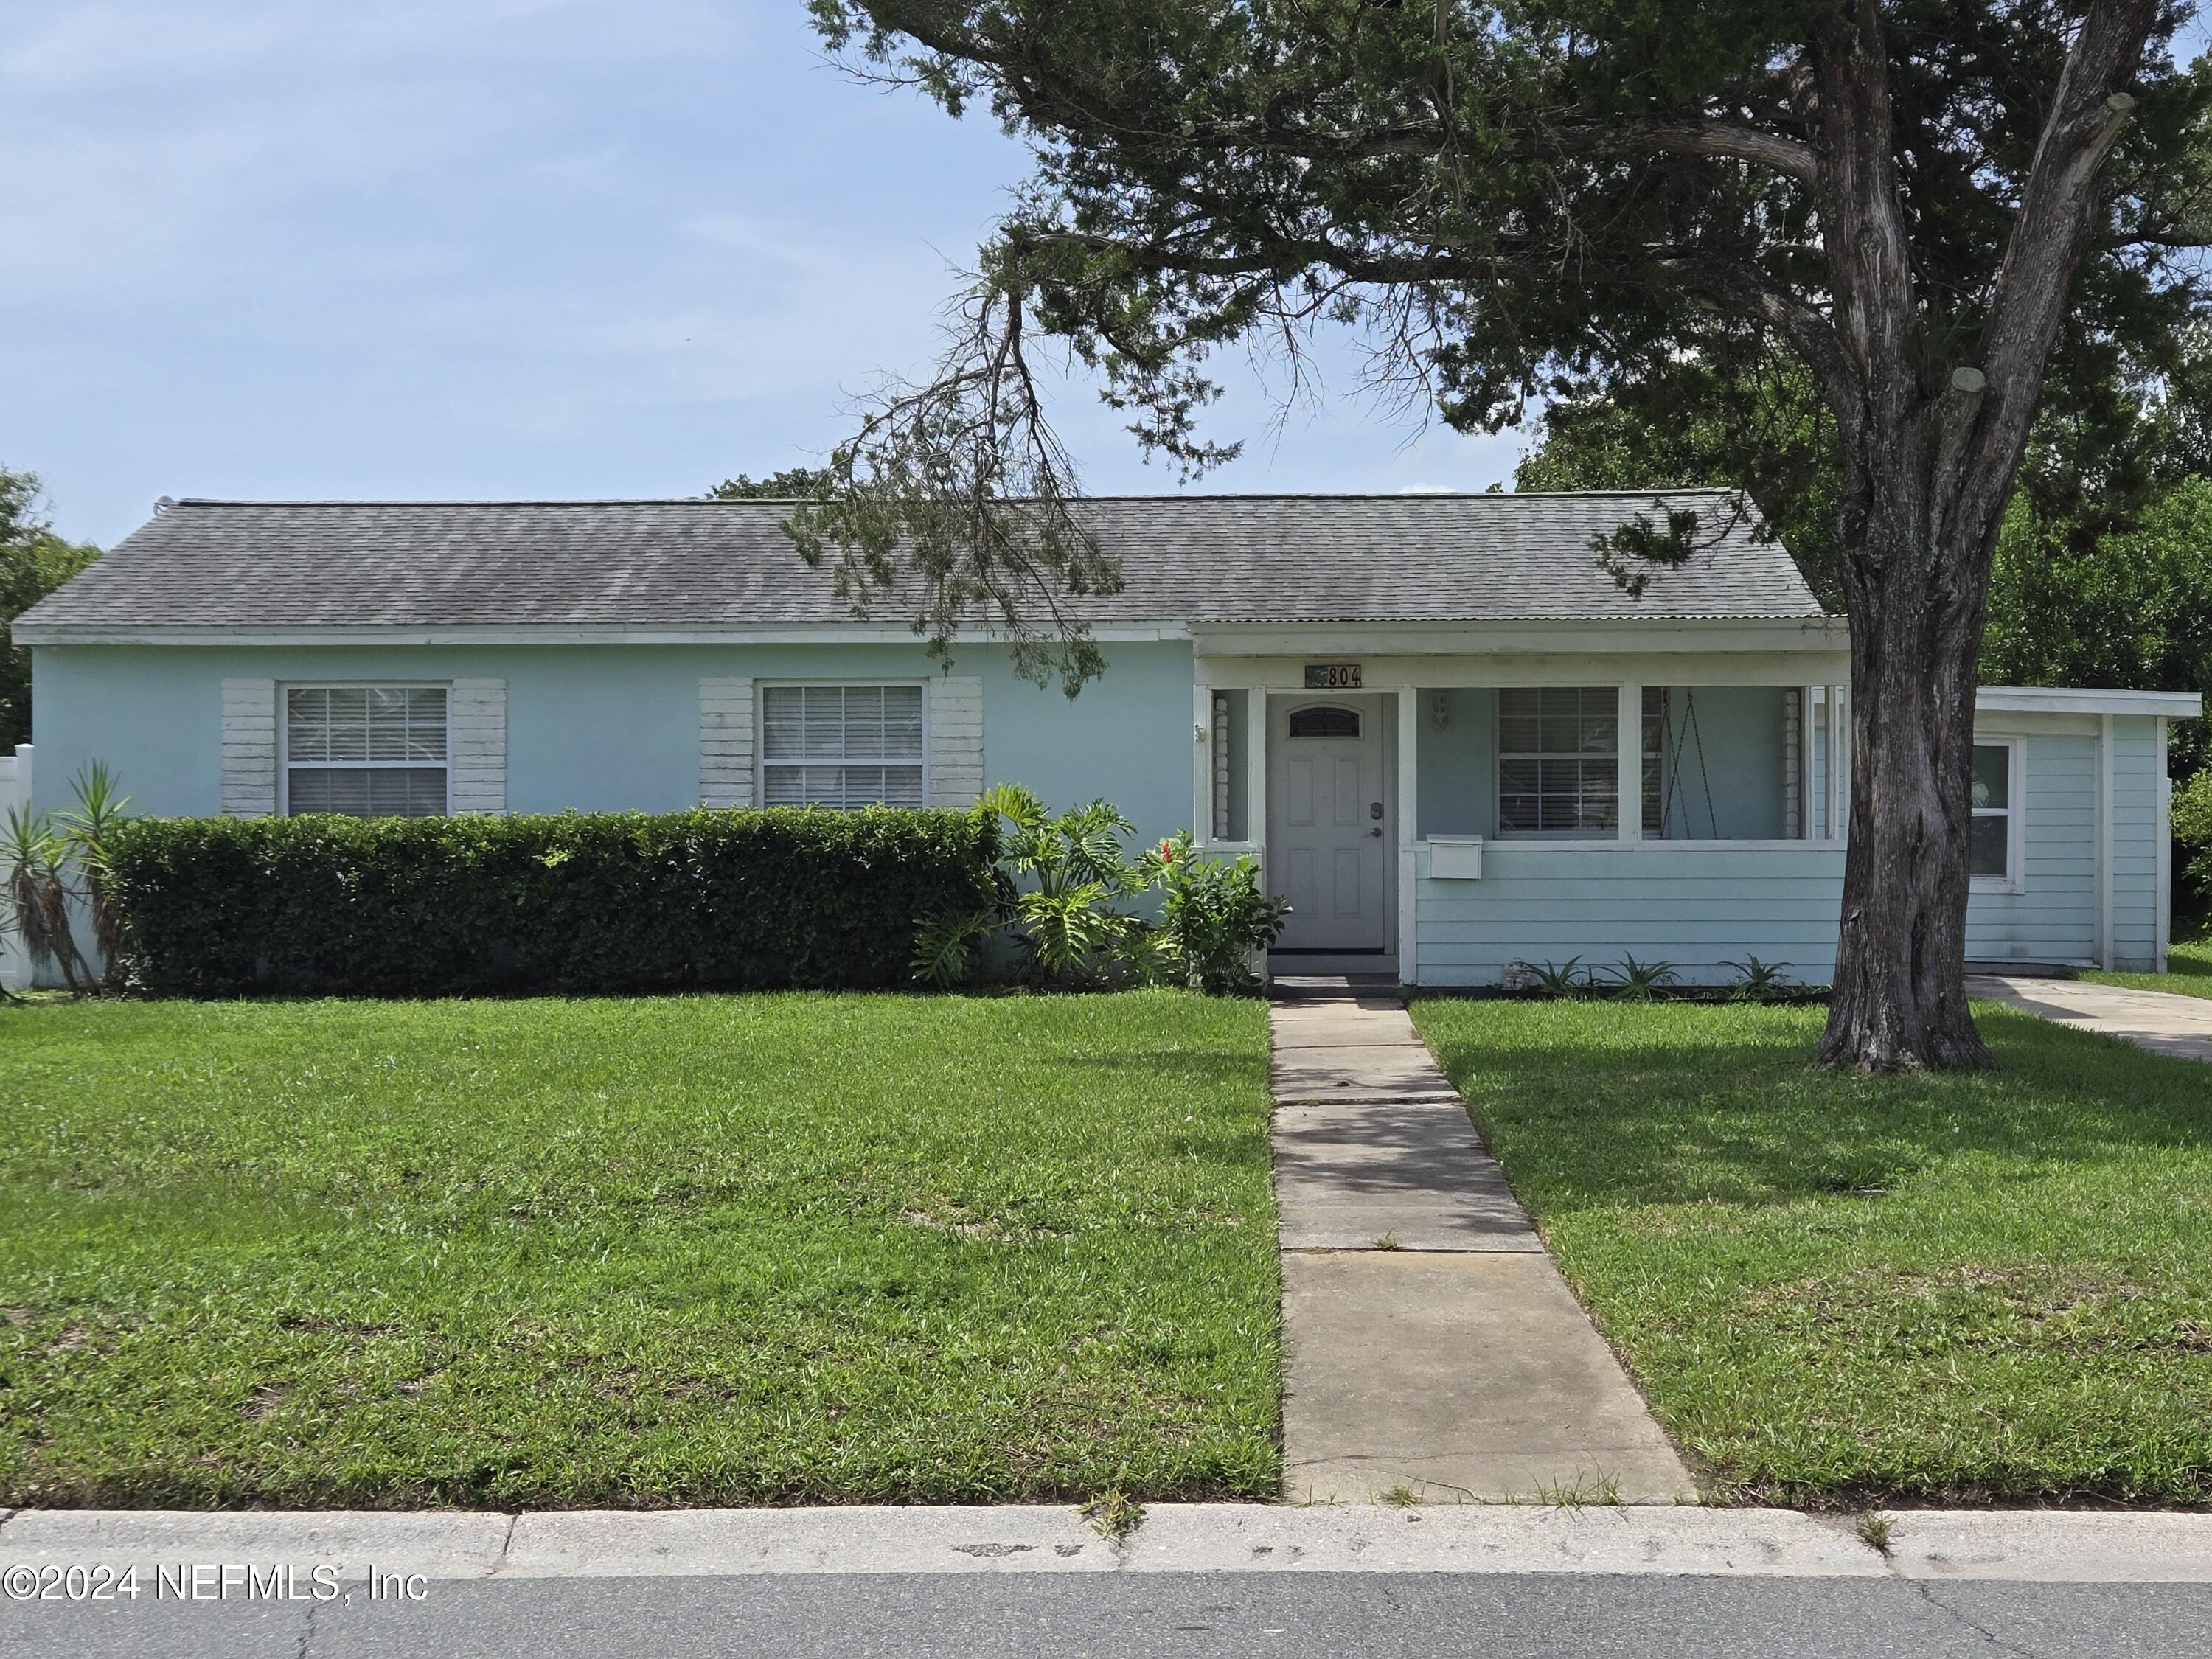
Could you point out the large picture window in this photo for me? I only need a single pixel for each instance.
(1992, 843)
(841, 746)
(365, 750)
(1558, 760)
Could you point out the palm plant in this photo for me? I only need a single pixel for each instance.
(87, 831)
(34, 879)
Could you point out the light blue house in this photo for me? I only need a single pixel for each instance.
(1421, 713)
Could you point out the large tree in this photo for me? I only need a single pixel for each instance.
(1514, 201)
(34, 562)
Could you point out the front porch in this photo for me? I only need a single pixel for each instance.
(1443, 817)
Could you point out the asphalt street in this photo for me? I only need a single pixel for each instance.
(1156, 1616)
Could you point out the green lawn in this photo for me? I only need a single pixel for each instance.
(2188, 971)
(671, 1250)
(1995, 1286)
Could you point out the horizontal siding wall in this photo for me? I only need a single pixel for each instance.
(2138, 767)
(1698, 910)
(2054, 918)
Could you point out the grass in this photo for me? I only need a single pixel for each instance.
(2188, 971)
(1834, 1290)
(674, 1250)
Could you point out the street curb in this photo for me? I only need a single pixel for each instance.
(2021, 1545)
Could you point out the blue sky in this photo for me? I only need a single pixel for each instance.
(489, 248)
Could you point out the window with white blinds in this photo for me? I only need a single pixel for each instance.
(841, 746)
(365, 750)
(1558, 760)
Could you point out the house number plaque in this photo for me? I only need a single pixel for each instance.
(1331, 677)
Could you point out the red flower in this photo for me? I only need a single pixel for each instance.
(1167, 852)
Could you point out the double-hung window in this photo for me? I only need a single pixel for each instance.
(841, 746)
(365, 750)
(1558, 760)
(1993, 838)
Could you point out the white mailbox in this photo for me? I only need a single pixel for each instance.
(1456, 858)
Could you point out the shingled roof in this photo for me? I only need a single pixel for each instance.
(696, 563)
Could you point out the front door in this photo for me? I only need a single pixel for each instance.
(1328, 828)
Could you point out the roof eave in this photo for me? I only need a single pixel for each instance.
(1432, 637)
(2085, 699)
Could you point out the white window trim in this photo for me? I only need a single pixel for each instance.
(2015, 811)
(285, 763)
(1498, 758)
(762, 763)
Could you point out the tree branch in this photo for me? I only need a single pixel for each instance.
(2050, 234)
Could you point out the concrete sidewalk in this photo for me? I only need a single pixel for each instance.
(1432, 1348)
(2160, 1021)
(2046, 1546)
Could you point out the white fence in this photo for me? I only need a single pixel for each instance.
(15, 792)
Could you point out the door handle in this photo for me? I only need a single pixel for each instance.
(1376, 830)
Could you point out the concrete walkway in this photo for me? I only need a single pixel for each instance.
(1433, 1348)
(2161, 1021)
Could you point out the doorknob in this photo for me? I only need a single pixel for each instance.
(1376, 830)
(1374, 809)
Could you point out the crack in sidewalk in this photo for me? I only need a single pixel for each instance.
(505, 1543)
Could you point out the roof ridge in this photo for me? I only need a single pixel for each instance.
(1409, 497)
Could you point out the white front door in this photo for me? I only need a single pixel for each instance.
(1328, 828)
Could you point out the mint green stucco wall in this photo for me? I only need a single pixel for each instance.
(608, 727)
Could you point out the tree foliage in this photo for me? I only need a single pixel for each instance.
(34, 562)
(794, 483)
(1932, 209)
(2103, 573)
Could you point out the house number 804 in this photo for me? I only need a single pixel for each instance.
(1331, 677)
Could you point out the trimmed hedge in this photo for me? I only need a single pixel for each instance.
(581, 901)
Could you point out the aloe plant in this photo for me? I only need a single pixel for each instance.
(1756, 980)
(1568, 979)
(1639, 982)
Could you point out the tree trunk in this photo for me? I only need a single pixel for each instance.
(1918, 585)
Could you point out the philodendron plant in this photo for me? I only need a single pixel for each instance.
(1078, 878)
(1071, 880)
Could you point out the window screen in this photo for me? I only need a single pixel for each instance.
(841, 746)
(365, 750)
(1558, 760)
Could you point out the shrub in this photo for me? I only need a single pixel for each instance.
(2192, 834)
(1214, 915)
(580, 902)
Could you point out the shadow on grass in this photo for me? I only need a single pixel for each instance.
(1683, 1104)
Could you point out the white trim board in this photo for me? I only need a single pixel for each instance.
(2014, 880)
(2080, 700)
(1416, 637)
(1478, 671)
